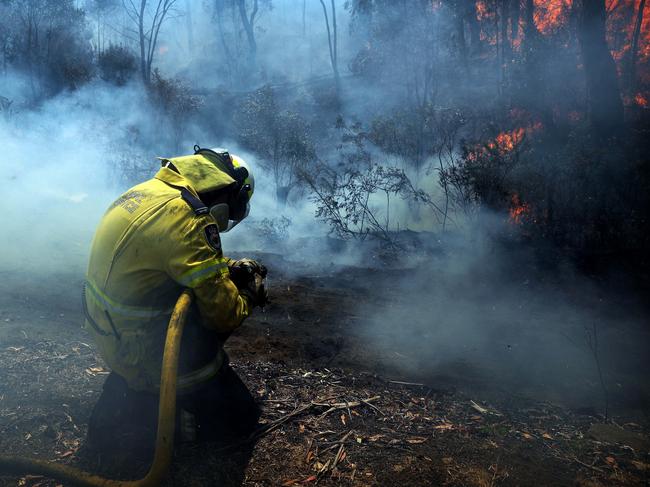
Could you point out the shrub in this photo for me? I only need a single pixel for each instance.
(117, 65)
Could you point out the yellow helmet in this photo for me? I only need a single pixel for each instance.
(230, 215)
(250, 180)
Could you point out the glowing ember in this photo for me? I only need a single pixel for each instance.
(641, 100)
(519, 210)
(518, 40)
(504, 143)
(621, 19)
(486, 15)
(482, 10)
(507, 141)
(551, 15)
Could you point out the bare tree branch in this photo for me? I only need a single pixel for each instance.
(148, 29)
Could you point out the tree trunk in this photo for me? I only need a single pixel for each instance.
(506, 39)
(190, 27)
(603, 94)
(474, 28)
(459, 23)
(535, 77)
(514, 18)
(248, 23)
(332, 43)
(506, 48)
(530, 31)
(631, 76)
(146, 75)
(219, 13)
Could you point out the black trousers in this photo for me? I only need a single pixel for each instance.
(124, 422)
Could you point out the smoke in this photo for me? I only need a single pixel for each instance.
(63, 163)
(493, 320)
(467, 310)
(54, 169)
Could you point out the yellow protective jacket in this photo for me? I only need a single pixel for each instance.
(153, 241)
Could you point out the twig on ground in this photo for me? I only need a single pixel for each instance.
(278, 422)
(406, 383)
(342, 405)
(595, 469)
(266, 429)
(337, 457)
(373, 407)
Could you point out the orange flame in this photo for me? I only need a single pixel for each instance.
(507, 141)
(482, 10)
(519, 210)
(621, 19)
(641, 100)
(551, 15)
(504, 143)
(485, 13)
(517, 40)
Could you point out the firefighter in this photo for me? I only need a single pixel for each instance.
(158, 238)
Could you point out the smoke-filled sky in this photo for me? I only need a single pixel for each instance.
(63, 159)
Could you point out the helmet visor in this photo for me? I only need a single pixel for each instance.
(233, 223)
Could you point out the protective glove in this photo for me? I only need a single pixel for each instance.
(255, 291)
(242, 270)
(248, 275)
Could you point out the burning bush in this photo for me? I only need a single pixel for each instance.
(487, 167)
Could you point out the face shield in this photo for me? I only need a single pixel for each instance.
(221, 214)
(229, 215)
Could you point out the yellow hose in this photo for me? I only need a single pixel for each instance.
(166, 418)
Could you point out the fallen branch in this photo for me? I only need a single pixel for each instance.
(595, 469)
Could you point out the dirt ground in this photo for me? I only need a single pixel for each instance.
(336, 411)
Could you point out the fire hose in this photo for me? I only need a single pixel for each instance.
(164, 436)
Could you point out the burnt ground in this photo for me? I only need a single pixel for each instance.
(338, 409)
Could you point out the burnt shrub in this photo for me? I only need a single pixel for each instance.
(281, 138)
(174, 102)
(49, 42)
(117, 65)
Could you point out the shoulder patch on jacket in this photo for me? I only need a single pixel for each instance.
(212, 237)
